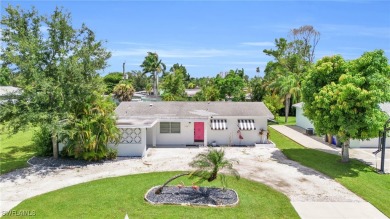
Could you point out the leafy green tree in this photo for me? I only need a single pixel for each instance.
(208, 166)
(111, 80)
(138, 80)
(274, 103)
(173, 86)
(186, 75)
(208, 92)
(348, 106)
(283, 75)
(123, 92)
(152, 64)
(257, 89)
(56, 69)
(232, 85)
(91, 127)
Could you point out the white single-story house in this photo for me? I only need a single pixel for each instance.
(181, 124)
(303, 122)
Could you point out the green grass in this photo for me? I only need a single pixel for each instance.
(114, 197)
(15, 150)
(291, 120)
(358, 177)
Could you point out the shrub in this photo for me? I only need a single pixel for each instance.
(111, 154)
(42, 142)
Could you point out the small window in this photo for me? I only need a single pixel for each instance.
(169, 127)
(246, 124)
(165, 127)
(218, 124)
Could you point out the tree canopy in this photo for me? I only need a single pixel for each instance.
(342, 97)
(55, 67)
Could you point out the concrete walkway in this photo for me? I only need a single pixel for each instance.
(329, 210)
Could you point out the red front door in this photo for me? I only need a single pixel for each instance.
(198, 131)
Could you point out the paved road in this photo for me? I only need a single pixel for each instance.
(332, 210)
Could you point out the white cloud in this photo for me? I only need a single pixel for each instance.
(257, 43)
(183, 53)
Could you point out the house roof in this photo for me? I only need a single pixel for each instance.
(298, 105)
(190, 110)
(7, 90)
(385, 107)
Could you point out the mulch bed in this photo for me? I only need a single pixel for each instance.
(203, 196)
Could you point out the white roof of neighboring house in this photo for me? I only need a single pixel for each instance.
(298, 105)
(6, 90)
(385, 107)
(192, 92)
(190, 110)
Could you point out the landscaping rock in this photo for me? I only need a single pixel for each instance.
(204, 196)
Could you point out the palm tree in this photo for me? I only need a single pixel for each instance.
(287, 86)
(123, 92)
(153, 65)
(208, 165)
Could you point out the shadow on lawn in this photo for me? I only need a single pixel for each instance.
(15, 157)
(42, 166)
(328, 164)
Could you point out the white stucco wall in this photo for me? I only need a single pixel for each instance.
(302, 121)
(230, 136)
(132, 149)
(185, 137)
(371, 143)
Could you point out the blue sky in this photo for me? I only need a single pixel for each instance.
(209, 37)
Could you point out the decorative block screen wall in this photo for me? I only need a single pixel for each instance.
(131, 136)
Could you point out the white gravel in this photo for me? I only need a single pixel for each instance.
(266, 165)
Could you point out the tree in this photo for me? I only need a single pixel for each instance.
(123, 92)
(153, 65)
(186, 76)
(56, 68)
(232, 85)
(288, 86)
(173, 86)
(207, 168)
(257, 88)
(111, 80)
(274, 103)
(309, 37)
(283, 75)
(91, 127)
(347, 103)
(138, 80)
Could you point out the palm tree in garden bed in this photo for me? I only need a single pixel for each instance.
(208, 166)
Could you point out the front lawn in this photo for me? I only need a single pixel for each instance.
(290, 121)
(358, 177)
(15, 150)
(114, 197)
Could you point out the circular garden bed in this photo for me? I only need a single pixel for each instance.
(203, 196)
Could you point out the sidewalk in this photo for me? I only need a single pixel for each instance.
(328, 210)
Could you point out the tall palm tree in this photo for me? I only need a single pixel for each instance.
(287, 86)
(208, 165)
(153, 65)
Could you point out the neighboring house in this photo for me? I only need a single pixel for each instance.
(8, 92)
(303, 122)
(180, 124)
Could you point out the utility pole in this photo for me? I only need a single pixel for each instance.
(124, 76)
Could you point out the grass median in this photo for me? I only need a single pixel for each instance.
(358, 177)
(114, 197)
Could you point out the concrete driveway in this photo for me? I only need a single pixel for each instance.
(305, 187)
